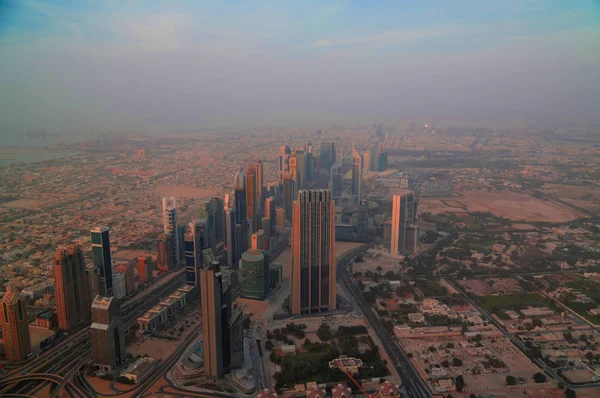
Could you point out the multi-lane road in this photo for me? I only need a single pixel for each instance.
(411, 381)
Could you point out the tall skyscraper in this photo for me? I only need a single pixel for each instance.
(164, 256)
(251, 205)
(283, 165)
(170, 227)
(289, 190)
(216, 208)
(402, 217)
(260, 187)
(233, 239)
(313, 286)
(212, 328)
(239, 187)
(309, 161)
(107, 333)
(145, 268)
(293, 170)
(102, 259)
(412, 238)
(270, 211)
(71, 288)
(253, 274)
(326, 155)
(357, 163)
(336, 179)
(300, 167)
(381, 159)
(367, 160)
(15, 326)
(195, 241)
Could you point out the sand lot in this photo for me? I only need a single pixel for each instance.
(486, 287)
(585, 197)
(185, 192)
(514, 206)
(23, 204)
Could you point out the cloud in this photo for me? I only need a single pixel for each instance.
(391, 37)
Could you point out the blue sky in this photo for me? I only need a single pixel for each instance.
(161, 65)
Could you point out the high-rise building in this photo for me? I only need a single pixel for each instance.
(289, 192)
(267, 265)
(107, 333)
(280, 211)
(15, 325)
(164, 259)
(283, 165)
(309, 161)
(212, 327)
(102, 259)
(412, 238)
(327, 155)
(300, 167)
(253, 274)
(128, 270)
(335, 181)
(381, 159)
(195, 241)
(251, 205)
(260, 186)
(357, 168)
(215, 210)
(145, 270)
(239, 186)
(313, 286)
(402, 217)
(119, 290)
(231, 319)
(367, 160)
(293, 169)
(266, 228)
(71, 288)
(274, 190)
(270, 211)
(170, 228)
(258, 240)
(233, 240)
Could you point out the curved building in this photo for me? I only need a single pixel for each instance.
(253, 275)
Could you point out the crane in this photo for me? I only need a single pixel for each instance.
(347, 373)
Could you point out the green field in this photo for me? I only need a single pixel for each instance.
(516, 301)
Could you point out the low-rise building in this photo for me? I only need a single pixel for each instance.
(137, 370)
(350, 365)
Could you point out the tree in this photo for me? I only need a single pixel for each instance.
(457, 362)
(511, 380)
(472, 396)
(539, 377)
(460, 383)
(268, 345)
(379, 269)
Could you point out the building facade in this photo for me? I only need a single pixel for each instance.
(402, 217)
(170, 228)
(212, 333)
(107, 334)
(313, 286)
(102, 259)
(71, 288)
(15, 325)
(253, 275)
(357, 168)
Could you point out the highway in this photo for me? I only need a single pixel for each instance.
(71, 351)
(412, 383)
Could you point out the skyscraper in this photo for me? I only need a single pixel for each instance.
(107, 333)
(283, 165)
(260, 187)
(15, 326)
(194, 242)
(309, 161)
(170, 227)
(270, 211)
(233, 239)
(367, 160)
(293, 160)
(212, 331)
(301, 168)
(164, 258)
(253, 274)
(313, 286)
(102, 259)
(239, 186)
(402, 217)
(216, 208)
(357, 169)
(327, 155)
(251, 205)
(289, 190)
(335, 180)
(145, 269)
(71, 288)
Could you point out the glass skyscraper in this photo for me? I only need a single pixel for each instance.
(102, 260)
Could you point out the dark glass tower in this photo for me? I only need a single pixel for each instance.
(102, 260)
(239, 186)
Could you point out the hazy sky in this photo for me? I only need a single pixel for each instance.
(163, 65)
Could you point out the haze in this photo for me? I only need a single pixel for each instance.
(160, 66)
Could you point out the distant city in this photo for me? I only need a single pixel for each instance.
(408, 260)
